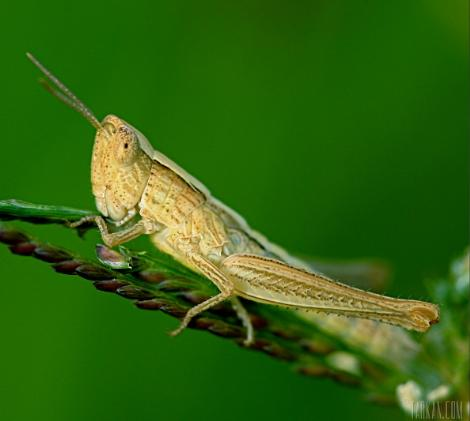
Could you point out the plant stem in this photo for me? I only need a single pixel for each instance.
(370, 355)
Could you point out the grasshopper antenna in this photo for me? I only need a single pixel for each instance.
(63, 93)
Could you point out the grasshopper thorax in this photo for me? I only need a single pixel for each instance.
(119, 170)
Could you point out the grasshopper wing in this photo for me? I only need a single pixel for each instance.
(271, 281)
(369, 274)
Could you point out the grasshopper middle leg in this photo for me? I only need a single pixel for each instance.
(226, 287)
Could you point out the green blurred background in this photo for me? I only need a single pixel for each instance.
(337, 128)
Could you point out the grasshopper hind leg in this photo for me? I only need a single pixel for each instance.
(245, 319)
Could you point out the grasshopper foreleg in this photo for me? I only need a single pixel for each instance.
(118, 237)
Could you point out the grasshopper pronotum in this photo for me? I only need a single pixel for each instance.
(136, 185)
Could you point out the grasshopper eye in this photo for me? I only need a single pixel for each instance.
(126, 145)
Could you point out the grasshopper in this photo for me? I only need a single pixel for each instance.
(142, 192)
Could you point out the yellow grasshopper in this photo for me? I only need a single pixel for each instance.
(136, 186)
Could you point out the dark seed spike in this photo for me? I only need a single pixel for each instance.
(111, 285)
(10, 236)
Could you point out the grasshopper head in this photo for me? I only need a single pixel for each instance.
(121, 159)
(119, 169)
